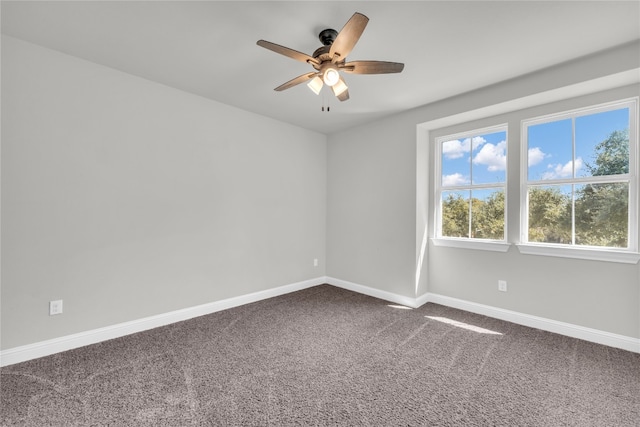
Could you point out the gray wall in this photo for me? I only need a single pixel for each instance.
(373, 235)
(371, 207)
(126, 198)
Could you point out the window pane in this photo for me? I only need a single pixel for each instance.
(487, 214)
(456, 160)
(489, 158)
(602, 212)
(550, 150)
(455, 213)
(602, 143)
(550, 214)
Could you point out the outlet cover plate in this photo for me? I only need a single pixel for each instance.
(55, 307)
(502, 285)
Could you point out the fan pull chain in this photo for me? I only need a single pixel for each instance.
(324, 100)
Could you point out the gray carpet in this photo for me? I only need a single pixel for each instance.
(326, 356)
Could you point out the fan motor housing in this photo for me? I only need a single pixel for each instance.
(328, 36)
(322, 54)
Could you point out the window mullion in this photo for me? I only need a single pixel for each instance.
(573, 185)
(470, 228)
(470, 208)
(573, 214)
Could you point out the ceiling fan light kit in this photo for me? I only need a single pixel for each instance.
(315, 85)
(339, 88)
(330, 59)
(330, 75)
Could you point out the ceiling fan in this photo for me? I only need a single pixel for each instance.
(330, 59)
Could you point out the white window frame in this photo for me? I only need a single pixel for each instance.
(624, 255)
(467, 242)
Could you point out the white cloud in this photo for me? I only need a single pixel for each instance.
(454, 179)
(562, 171)
(455, 148)
(477, 142)
(493, 156)
(536, 155)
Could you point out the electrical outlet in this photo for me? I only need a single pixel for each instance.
(55, 307)
(502, 285)
(315, 262)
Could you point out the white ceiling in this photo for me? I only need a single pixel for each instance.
(209, 47)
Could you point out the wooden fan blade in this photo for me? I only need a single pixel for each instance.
(293, 82)
(298, 56)
(371, 67)
(348, 37)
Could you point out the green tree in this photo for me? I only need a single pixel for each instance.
(455, 216)
(601, 213)
(611, 155)
(601, 210)
(488, 217)
(549, 215)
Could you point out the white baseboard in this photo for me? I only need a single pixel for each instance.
(562, 328)
(373, 292)
(57, 345)
(422, 300)
(68, 342)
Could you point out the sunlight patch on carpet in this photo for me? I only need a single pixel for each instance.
(401, 307)
(463, 325)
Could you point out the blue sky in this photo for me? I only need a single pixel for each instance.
(482, 159)
(478, 160)
(550, 144)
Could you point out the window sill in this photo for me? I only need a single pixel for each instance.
(483, 245)
(611, 255)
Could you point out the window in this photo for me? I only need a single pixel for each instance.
(578, 171)
(471, 185)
